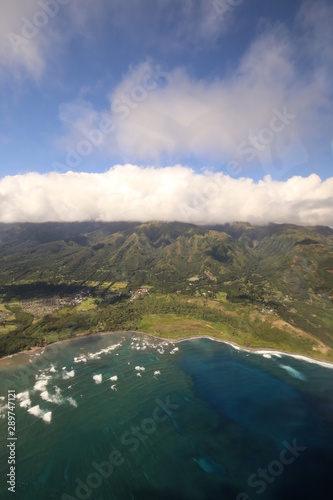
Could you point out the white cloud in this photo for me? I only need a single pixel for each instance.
(19, 52)
(316, 20)
(185, 117)
(169, 25)
(33, 31)
(129, 192)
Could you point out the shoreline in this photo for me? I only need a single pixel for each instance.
(254, 350)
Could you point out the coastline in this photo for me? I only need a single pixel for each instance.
(254, 350)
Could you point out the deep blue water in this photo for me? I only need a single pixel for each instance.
(126, 416)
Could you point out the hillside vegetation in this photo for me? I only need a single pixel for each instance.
(267, 286)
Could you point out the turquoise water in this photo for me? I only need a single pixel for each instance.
(126, 416)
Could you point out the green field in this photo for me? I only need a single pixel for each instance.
(119, 285)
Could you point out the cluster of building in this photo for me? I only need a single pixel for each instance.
(140, 292)
(79, 297)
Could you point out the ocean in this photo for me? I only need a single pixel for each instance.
(128, 416)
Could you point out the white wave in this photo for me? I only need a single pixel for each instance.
(98, 378)
(267, 353)
(47, 417)
(26, 403)
(114, 378)
(68, 375)
(41, 385)
(157, 372)
(138, 374)
(107, 350)
(80, 359)
(35, 410)
(72, 402)
(160, 350)
(234, 346)
(3, 409)
(294, 373)
(174, 350)
(113, 387)
(140, 368)
(2, 398)
(38, 412)
(43, 376)
(22, 395)
(52, 398)
(310, 360)
(53, 369)
(45, 395)
(268, 356)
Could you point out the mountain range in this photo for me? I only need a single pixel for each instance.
(281, 269)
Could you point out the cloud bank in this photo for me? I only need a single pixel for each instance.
(129, 192)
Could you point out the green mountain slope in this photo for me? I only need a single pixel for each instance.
(276, 272)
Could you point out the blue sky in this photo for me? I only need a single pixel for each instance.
(236, 88)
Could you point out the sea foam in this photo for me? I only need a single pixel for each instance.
(68, 375)
(35, 410)
(98, 378)
(294, 373)
(22, 395)
(26, 403)
(47, 417)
